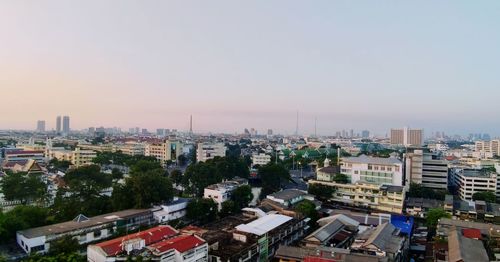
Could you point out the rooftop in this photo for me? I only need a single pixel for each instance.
(74, 225)
(181, 243)
(264, 224)
(364, 159)
(288, 194)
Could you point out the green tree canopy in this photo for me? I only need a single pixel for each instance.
(24, 187)
(417, 190)
(202, 210)
(322, 192)
(272, 175)
(308, 209)
(241, 197)
(485, 196)
(176, 176)
(434, 215)
(19, 218)
(341, 179)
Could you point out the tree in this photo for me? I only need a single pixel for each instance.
(272, 175)
(19, 218)
(308, 209)
(228, 208)
(341, 179)
(241, 197)
(417, 190)
(182, 160)
(24, 187)
(322, 192)
(142, 166)
(434, 215)
(202, 210)
(59, 164)
(66, 244)
(116, 173)
(176, 176)
(486, 196)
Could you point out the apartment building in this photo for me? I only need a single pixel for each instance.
(386, 198)
(488, 148)
(375, 170)
(470, 181)
(132, 148)
(426, 169)
(260, 159)
(84, 229)
(78, 157)
(161, 243)
(164, 151)
(221, 192)
(407, 137)
(206, 151)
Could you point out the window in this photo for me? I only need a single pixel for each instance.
(38, 248)
(370, 167)
(97, 234)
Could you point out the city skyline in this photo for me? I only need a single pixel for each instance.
(232, 66)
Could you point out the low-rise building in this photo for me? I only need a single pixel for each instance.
(373, 170)
(24, 155)
(289, 197)
(385, 198)
(327, 172)
(165, 151)
(221, 192)
(260, 159)
(175, 209)
(78, 157)
(161, 243)
(206, 151)
(85, 230)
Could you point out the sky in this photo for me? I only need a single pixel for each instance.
(240, 64)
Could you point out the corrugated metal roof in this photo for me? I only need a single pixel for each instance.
(264, 224)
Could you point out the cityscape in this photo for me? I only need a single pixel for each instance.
(222, 131)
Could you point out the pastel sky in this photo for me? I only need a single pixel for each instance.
(235, 64)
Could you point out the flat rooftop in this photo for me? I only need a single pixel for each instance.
(85, 223)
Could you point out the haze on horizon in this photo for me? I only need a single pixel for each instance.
(233, 64)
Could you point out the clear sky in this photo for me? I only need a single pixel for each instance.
(235, 64)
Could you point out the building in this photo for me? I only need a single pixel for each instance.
(327, 172)
(40, 126)
(167, 150)
(161, 243)
(491, 147)
(260, 159)
(384, 241)
(289, 197)
(24, 155)
(206, 151)
(78, 157)
(221, 192)
(338, 231)
(65, 125)
(84, 229)
(321, 254)
(132, 148)
(407, 137)
(385, 198)
(365, 134)
(426, 169)
(470, 181)
(175, 209)
(58, 124)
(376, 170)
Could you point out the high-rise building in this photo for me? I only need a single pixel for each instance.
(58, 124)
(491, 147)
(269, 132)
(40, 126)
(426, 169)
(365, 134)
(407, 137)
(65, 127)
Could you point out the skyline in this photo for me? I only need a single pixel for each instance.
(367, 65)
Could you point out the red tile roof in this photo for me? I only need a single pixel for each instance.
(114, 247)
(180, 243)
(471, 233)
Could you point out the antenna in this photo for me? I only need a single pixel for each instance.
(297, 125)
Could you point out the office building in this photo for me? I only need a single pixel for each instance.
(407, 137)
(167, 150)
(470, 181)
(65, 127)
(83, 229)
(206, 151)
(40, 126)
(426, 169)
(58, 124)
(375, 170)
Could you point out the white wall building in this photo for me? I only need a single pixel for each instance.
(261, 159)
(470, 181)
(206, 151)
(176, 209)
(388, 171)
(221, 192)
